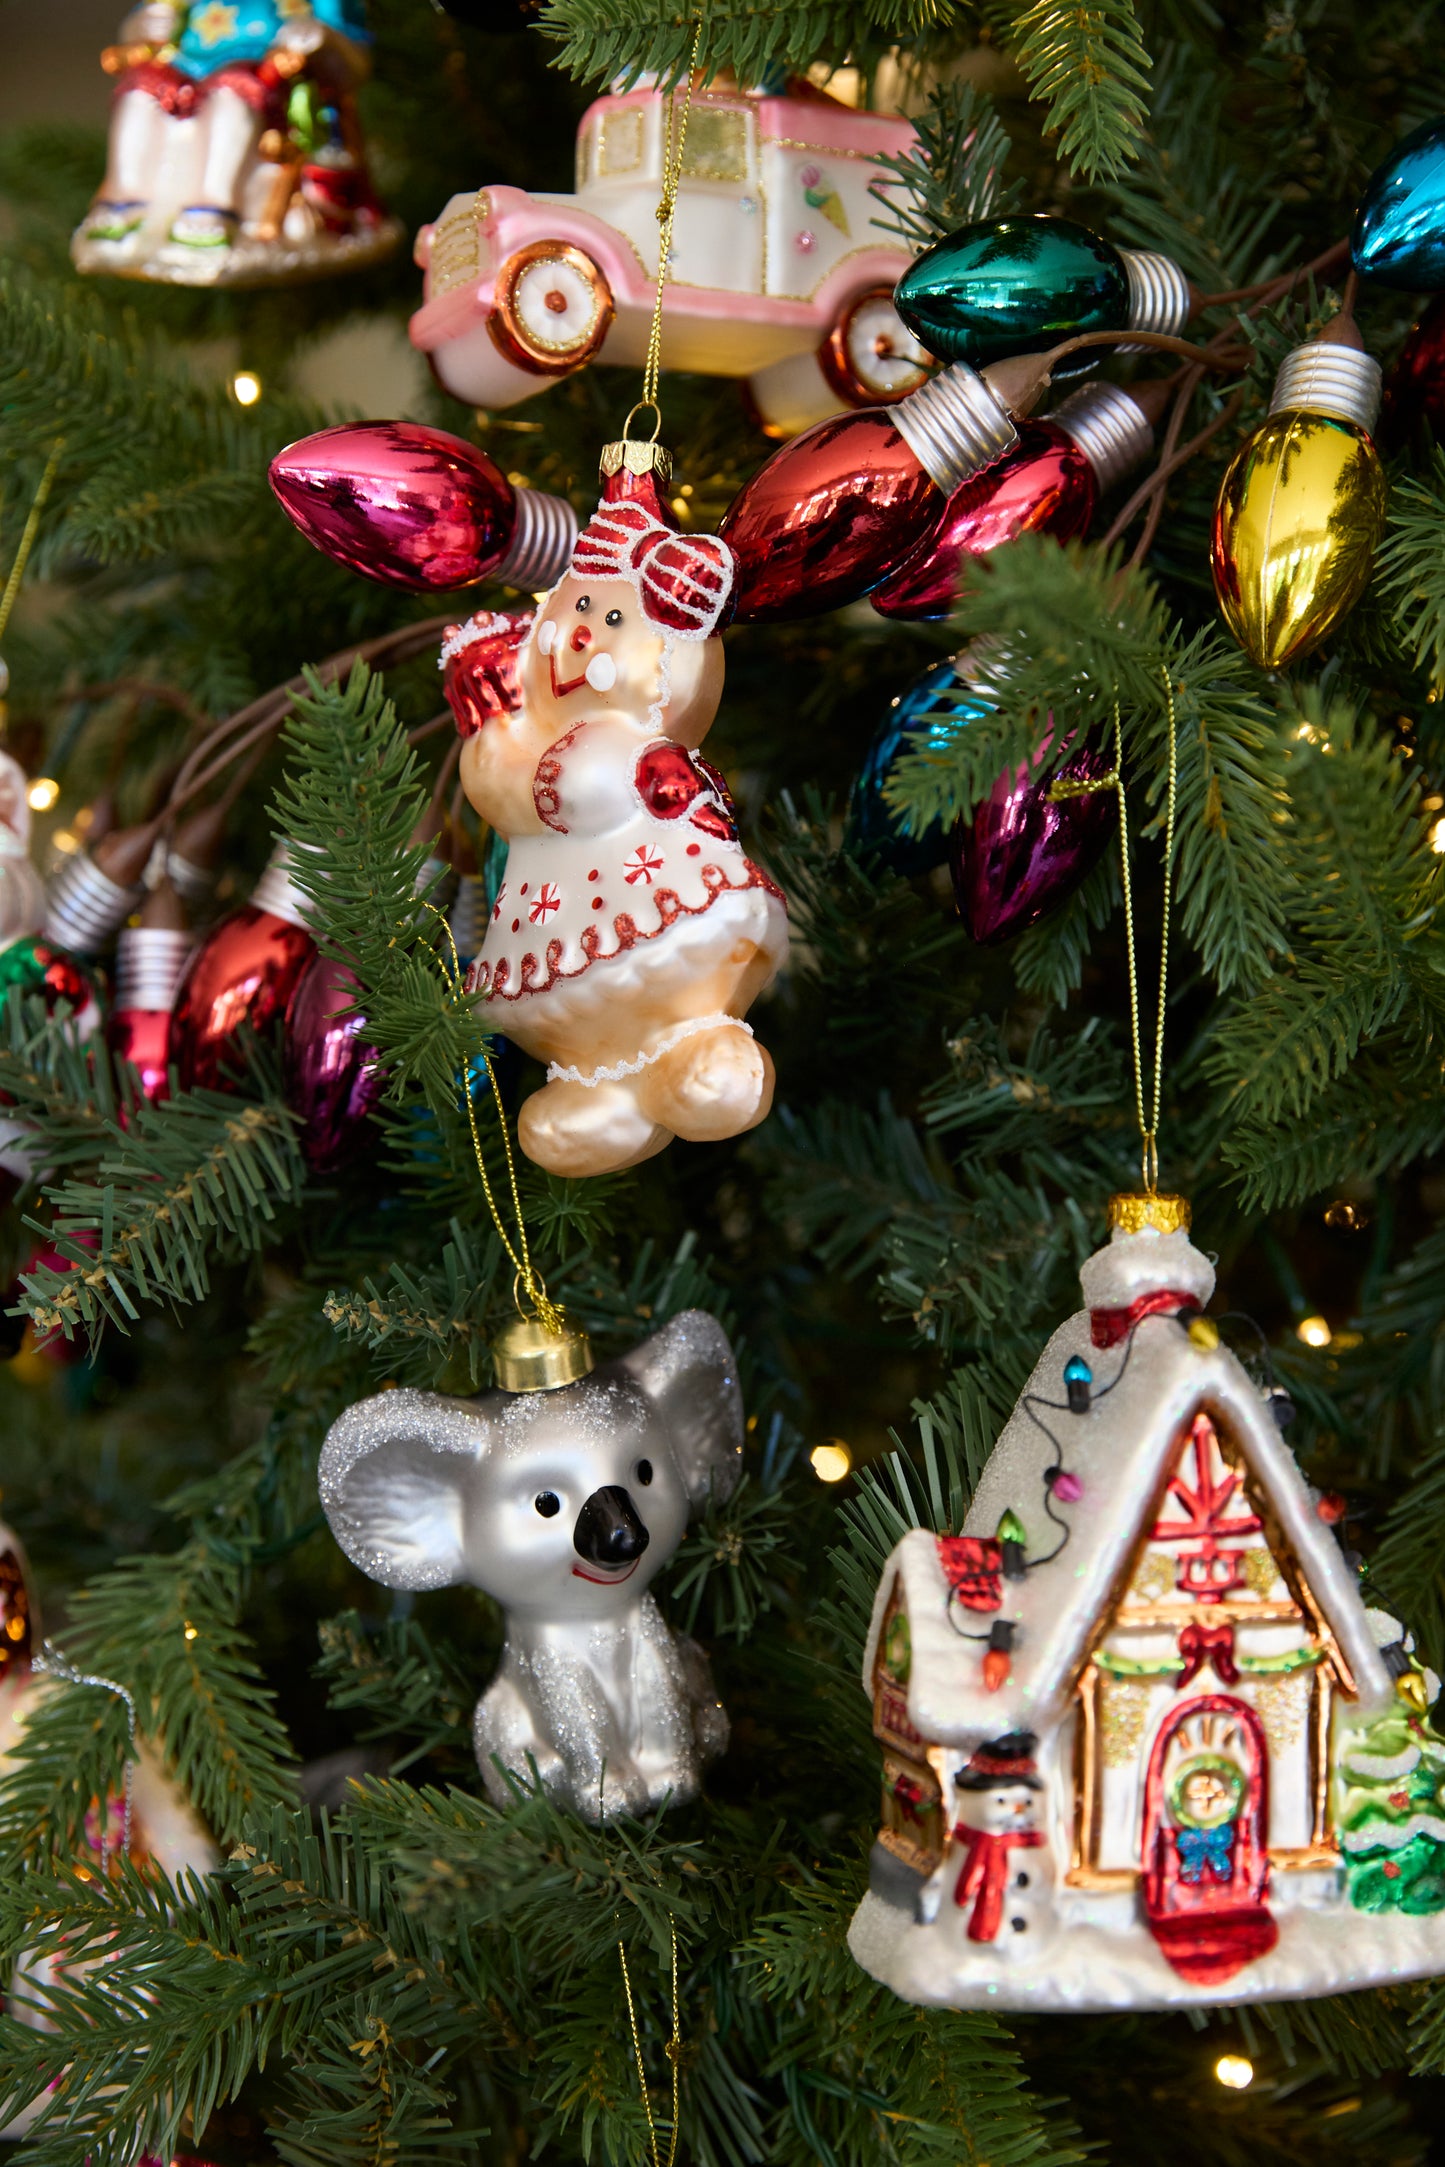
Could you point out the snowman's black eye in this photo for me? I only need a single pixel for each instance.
(584, 603)
(644, 1471)
(613, 617)
(548, 1503)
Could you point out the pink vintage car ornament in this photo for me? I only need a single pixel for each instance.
(778, 272)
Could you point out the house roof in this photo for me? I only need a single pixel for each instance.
(1120, 1452)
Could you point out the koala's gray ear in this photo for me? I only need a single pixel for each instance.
(394, 1476)
(690, 1373)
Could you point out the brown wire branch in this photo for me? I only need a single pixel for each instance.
(1171, 461)
(1272, 289)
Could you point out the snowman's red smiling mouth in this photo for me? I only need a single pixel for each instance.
(562, 686)
(604, 1578)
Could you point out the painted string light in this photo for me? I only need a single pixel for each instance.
(1018, 285)
(1301, 508)
(1399, 231)
(419, 508)
(1050, 483)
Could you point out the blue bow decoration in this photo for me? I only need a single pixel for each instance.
(1204, 1850)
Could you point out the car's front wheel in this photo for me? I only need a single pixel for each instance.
(870, 357)
(553, 308)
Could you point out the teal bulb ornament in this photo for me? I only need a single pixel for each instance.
(1013, 286)
(927, 717)
(1399, 236)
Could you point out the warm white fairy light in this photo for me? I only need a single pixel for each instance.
(1314, 1331)
(245, 387)
(42, 793)
(1234, 2071)
(832, 1461)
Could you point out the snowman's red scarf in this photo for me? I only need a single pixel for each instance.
(985, 1874)
(1108, 1326)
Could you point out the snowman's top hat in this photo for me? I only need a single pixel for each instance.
(1002, 1760)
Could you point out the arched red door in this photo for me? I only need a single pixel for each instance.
(1206, 1816)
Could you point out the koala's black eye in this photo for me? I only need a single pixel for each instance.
(584, 603)
(644, 1471)
(548, 1503)
(613, 617)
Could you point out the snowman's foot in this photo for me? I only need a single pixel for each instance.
(713, 1084)
(205, 225)
(575, 1129)
(110, 221)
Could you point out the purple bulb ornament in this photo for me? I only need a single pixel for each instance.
(1023, 853)
(333, 1077)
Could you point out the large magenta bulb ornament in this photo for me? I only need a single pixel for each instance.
(1049, 484)
(421, 509)
(333, 1077)
(836, 509)
(1022, 853)
(243, 976)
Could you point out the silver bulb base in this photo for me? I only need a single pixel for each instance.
(1339, 382)
(955, 426)
(150, 962)
(541, 546)
(1159, 298)
(1109, 429)
(278, 893)
(83, 906)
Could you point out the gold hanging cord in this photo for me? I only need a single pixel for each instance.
(673, 2051)
(528, 1279)
(28, 534)
(1068, 787)
(672, 154)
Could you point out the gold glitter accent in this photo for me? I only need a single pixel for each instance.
(1154, 1577)
(1260, 1571)
(1123, 1712)
(1134, 1211)
(1283, 1704)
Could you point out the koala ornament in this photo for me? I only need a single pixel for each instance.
(562, 1502)
(631, 934)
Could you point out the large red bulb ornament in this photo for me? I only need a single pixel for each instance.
(1415, 386)
(1049, 484)
(243, 976)
(835, 510)
(421, 509)
(333, 1077)
(150, 962)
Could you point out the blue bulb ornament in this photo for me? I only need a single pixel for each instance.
(927, 717)
(1399, 236)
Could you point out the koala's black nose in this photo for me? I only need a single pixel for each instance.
(608, 1531)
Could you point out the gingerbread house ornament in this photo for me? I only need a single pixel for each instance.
(1143, 1743)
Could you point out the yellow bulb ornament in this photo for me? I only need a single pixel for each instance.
(1302, 507)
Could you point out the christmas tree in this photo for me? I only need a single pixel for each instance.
(386, 1964)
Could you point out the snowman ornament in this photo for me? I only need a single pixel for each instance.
(995, 1882)
(631, 933)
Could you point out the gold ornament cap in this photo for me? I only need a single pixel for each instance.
(526, 1357)
(635, 455)
(1137, 1211)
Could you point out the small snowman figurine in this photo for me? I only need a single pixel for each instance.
(995, 1874)
(631, 933)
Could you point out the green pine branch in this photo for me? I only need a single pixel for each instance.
(1087, 61)
(199, 1172)
(954, 176)
(606, 40)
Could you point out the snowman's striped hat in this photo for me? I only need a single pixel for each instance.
(684, 581)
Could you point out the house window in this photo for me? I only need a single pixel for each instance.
(620, 147)
(455, 254)
(717, 145)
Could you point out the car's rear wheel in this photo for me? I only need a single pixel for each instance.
(870, 357)
(553, 308)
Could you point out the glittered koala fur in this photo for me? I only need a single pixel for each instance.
(562, 1505)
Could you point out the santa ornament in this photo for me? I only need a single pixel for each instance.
(1136, 1714)
(631, 933)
